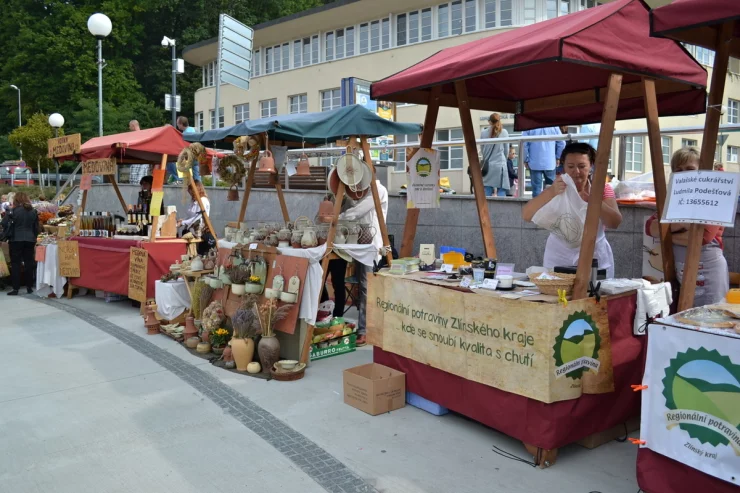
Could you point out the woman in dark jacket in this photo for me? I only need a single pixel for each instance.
(22, 222)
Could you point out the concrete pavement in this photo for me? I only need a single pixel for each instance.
(89, 402)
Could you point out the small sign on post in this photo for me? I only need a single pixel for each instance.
(702, 197)
(137, 272)
(65, 146)
(69, 258)
(105, 166)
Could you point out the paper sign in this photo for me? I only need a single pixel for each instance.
(99, 167)
(138, 261)
(702, 197)
(447, 268)
(253, 246)
(490, 284)
(465, 283)
(69, 258)
(504, 269)
(86, 182)
(290, 169)
(64, 146)
(426, 254)
(40, 253)
(158, 176)
(155, 206)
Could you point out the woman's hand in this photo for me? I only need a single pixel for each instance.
(558, 186)
(179, 223)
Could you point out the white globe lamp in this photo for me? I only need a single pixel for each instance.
(99, 25)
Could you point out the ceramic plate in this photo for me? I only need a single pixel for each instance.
(525, 284)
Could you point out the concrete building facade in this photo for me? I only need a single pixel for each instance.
(300, 60)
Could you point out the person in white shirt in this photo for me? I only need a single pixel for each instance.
(193, 221)
(364, 213)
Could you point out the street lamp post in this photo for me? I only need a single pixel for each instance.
(20, 124)
(173, 97)
(100, 26)
(56, 121)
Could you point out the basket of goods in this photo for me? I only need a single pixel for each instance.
(550, 283)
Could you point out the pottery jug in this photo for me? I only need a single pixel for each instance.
(196, 264)
(284, 234)
(295, 238)
(308, 240)
(190, 329)
(326, 211)
(269, 352)
(267, 163)
(243, 352)
(228, 353)
(340, 237)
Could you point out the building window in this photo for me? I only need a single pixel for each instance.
(414, 27)
(329, 46)
(666, 144)
(220, 118)
(286, 56)
(340, 44)
(732, 153)
(400, 152)
(241, 113)
(506, 13)
(199, 121)
(298, 103)
(268, 60)
(315, 49)
(443, 20)
(386, 30)
(297, 54)
(330, 99)
(587, 4)
(733, 111)
(557, 7)
(400, 31)
(705, 56)
(375, 36)
(530, 11)
(268, 108)
(426, 24)
(350, 43)
(689, 143)
(634, 154)
(209, 74)
(450, 157)
(457, 17)
(306, 52)
(470, 16)
(257, 63)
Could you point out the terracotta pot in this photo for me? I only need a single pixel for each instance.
(269, 352)
(233, 195)
(228, 354)
(190, 329)
(218, 350)
(243, 351)
(205, 335)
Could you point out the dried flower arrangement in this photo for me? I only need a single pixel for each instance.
(268, 314)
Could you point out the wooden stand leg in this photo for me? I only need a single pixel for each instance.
(656, 156)
(202, 208)
(247, 190)
(708, 145)
(153, 232)
(476, 173)
(543, 458)
(112, 181)
(376, 199)
(281, 199)
(588, 243)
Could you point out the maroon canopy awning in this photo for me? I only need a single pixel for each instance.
(140, 147)
(556, 72)
(696, 22)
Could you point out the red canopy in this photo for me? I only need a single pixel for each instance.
(555, 72)
(696, 22)
(140, 147)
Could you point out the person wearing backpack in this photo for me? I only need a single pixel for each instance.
(493, 164)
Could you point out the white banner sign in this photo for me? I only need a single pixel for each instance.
(423, 171)
(691, 407)
(704, 197)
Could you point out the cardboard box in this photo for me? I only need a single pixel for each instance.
(374, 388)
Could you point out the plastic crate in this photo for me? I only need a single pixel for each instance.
(425, 404)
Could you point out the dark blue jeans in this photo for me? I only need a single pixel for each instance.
(537, 177)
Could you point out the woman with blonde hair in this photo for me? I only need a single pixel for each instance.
(713, 278)
(493, 164)
(21, 227)
(193, 221)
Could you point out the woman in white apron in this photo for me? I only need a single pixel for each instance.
(713, 278)
(578, 159)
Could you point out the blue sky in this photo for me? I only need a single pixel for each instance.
(709, 371)
(577, 328)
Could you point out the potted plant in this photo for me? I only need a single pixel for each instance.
(253, 285)
(239, 275)
(268, 314)
(219, 338)
(245, 330)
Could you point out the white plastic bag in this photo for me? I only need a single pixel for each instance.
(565, 215)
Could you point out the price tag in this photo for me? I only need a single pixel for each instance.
(447, 268)
(489, 284)
(253, 246)
(465, 283)
(702, 197)
(504, 269)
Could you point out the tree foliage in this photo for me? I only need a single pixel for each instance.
(33, 138)
(49, 53)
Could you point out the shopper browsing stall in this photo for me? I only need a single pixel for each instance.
(22, 227)
(193, 221)
(578, 159)
(712, 281)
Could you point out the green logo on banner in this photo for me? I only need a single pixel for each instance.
(577, 346)
(702, 391)
(423, 167)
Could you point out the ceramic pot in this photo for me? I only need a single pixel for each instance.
(238, 289)
(233, 195)
(192, 342)
(218, 350)
(205, 335)
(190, 329)
(340, 236)
(269, 352)
(253, 367)
(229, 365)
(308, 240)
(228, 354)
(243, 352)
(196, 264)
(203, 347)
(284, 234)
(252, 288)
(295, 238)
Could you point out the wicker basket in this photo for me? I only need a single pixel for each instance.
(551, 286)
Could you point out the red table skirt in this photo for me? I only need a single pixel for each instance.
(657, 473)
(104, 263)
(547, 426)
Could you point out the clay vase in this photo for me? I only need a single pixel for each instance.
(151, 323)
(243, 351)
(269, 352)
(228, 354)
(190, 329)
(205, 335)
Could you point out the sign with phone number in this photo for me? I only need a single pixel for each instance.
(702, 197)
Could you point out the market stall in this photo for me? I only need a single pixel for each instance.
(688, 429)
(517, 366)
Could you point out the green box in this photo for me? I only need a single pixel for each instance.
(347, 344)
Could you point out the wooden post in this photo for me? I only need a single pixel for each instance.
(78, 222)
(376, 199)
(476, 174)
(113, 182)
(202, 208)
(588, 243)
(248, 189)
(153, 232)
(656, 156)
(708, 145)
(427, 137)
(324, 265)
(281, 199)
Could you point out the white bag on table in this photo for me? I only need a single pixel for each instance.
(565, 215)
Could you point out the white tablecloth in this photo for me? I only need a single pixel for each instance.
(48, 279)
(172, 298)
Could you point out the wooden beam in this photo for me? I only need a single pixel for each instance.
(324, 265)
(476, 173)
(422, 96)
(656, 157)
(708, 145)
(427, 137)
(202, 208)
(376, 199)
(153, 232)
(248, 189)
(591, 228)
(281, 199)
(112, 181)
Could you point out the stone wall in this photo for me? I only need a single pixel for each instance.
(455, 223)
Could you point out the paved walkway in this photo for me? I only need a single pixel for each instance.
(89, 402)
